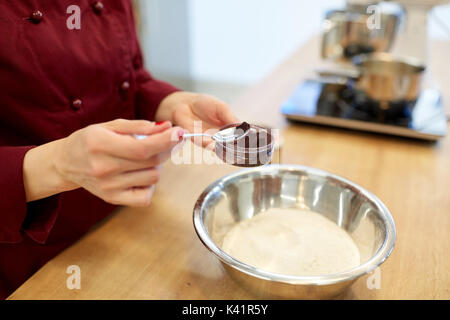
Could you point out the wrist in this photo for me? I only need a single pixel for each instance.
(40, 175)
(61, 182)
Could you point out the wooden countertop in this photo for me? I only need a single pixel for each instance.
(154, 253)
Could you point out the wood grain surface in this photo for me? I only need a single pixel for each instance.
(154, 252)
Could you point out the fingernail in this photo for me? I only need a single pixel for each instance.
(180, 135)
(160, 122)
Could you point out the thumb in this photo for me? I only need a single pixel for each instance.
(224, 114)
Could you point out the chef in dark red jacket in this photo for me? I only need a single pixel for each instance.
(71, 72)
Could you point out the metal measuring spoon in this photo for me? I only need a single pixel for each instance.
(228, 134)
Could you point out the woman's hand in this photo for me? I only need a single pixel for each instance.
(105, 159)
(184, 108)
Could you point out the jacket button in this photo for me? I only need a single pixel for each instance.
(36, 16)
(98, 7)
(76, 104)
(125, 86)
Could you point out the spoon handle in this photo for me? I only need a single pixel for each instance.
(190, 135)
(140, 136)
(186, 135)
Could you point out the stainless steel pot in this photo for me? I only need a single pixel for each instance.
(386, 78)
(346, 33)
(383, 77)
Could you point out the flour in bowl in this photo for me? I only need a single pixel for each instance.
(292, 242)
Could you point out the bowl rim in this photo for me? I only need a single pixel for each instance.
(376, 260)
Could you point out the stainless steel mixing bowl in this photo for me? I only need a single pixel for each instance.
(246, 193)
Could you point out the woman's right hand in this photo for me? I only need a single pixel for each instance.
(109, 162)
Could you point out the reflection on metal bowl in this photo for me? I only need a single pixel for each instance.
(248, 192)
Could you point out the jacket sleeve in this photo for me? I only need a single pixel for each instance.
(149, 94)
(149, 91)
(36, 218)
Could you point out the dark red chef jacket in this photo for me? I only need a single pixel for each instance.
(56, 79)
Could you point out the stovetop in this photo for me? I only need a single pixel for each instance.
(340, 105)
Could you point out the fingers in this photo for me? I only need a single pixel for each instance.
(215, 111)
(128, 147)
(160, 127)
(108, 161)
(111, 165)
(136, 127)
(133, 188)
(135, 197)
(124, 126)
(164, 141)
(225, 115)
(203, 141)
(138, 178)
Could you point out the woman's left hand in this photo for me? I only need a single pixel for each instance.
(185, 108)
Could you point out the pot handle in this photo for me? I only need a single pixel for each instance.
(347, 73)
